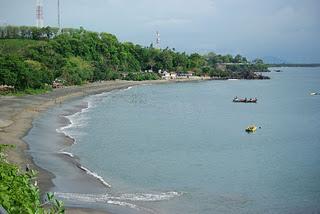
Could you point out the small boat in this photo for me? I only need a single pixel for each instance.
(251, 128)
(314, 93)
(245, 100)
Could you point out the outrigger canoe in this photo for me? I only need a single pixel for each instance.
(245, 100)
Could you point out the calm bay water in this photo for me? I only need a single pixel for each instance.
(182, 148)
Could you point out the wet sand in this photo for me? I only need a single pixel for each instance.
(17, 114)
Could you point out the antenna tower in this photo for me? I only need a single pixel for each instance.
(158, 40)
(39, 13)
(59, 16)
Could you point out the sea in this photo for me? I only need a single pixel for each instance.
(182, 147)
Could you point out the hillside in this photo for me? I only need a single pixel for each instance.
(33, 57)
(16, 46)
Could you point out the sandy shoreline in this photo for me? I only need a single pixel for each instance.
(17, 114)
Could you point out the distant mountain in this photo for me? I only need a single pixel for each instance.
(273, 60)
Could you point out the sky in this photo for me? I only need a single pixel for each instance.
(284, 29)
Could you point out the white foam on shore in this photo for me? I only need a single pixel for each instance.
(120, 200)
(144, 197)
(75, 120)
(121, 203)
(89, 198)
(126, 89)
(148, 196)
(67, 153)
(95, 175)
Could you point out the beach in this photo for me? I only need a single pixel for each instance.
(192, 168)
(17, 114)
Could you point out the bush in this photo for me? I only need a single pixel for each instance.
(18, 194)
(141, 76)
(76, 71)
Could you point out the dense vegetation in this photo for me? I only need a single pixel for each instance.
(18, 194)
(33, 57)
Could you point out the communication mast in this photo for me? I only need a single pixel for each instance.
(158, 40)
(39, 14)
(59, 16)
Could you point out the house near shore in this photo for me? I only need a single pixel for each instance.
(124, 74)
(167, 75)
(173, 75)
(58, 83)
(6, 88)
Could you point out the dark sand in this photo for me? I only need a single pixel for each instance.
(17, 114)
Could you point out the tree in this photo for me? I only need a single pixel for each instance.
(238, 59)
(196, 61)
(257, 61)
(40, 73)
(7, 74)
(212, 58)
(76, 71)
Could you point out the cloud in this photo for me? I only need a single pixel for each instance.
(251, 27)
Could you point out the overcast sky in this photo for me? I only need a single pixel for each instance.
(287, 29)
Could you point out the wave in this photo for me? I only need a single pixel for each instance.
(134, 197)
(88, 198)
(75, 120)
(126, 89)
(67, 153)
(121, 203)
(120, 200)
(148, 196)
(95, 175)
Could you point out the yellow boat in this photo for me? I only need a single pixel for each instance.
(252, 128)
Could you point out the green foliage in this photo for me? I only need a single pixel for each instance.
(218, 73)
(32, 57)
(196, 61)
(76, 71)
(17, 192)
(140, 76)
(46, 54)
(16, 46)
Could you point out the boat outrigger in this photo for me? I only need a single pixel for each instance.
(251, 128)
(245, 100)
